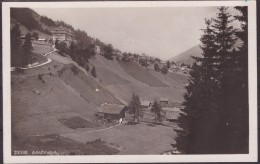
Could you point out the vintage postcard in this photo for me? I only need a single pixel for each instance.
(114, 81)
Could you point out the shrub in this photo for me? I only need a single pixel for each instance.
(156, 67)
(93, 72)
(87, 67)
(20, 70)
(164, 70)
(40, 77)
(74, 69)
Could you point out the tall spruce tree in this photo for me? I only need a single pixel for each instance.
(15, 37)
(225, 40)
(27, 47)
(15, 45)
(239, 123)
(135, 107)
(157, 109)
(209, 122)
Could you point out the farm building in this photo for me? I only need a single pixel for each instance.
(42, 40)
(171, 114)
(112, 111)
(173, 69)
(164, 100)
(146, 104)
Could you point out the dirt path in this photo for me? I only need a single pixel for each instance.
(39, 65)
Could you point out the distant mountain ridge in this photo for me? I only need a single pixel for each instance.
(185, 57)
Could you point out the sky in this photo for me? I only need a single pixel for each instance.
(159, 32)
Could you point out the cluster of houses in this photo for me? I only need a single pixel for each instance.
(149, 62)
(60, 33)
(179, 67)
(118, 113)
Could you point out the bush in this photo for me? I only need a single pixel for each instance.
(35, 35)
(40, 77)
(156, 67)
(93, 72)
(19, 70)
(108, 52)
(87, 67)
(164, 70)
(74, 69)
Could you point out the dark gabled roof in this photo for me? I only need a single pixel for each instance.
(62, 28)
(110, 108)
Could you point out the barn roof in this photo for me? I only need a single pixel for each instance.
(145, 103)
(174, 109)
(110, 108)
(172, 115)
(164, 99)
(62, 29)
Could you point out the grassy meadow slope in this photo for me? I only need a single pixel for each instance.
(142, 75)
(35, 114)
(43, 95)
(123, 79)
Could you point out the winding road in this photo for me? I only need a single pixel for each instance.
(41, 64)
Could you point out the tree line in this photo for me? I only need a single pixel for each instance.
(20, 49)
(216, 118)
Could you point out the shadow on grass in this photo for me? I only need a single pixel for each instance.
(152, 125)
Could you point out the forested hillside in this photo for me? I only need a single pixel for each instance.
(32, 21)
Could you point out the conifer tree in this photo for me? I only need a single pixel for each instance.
(239, 122)
(135, 107)
(15, 45)
(157, 109)
(27, 47)
(208, 125)
(225, 40)
(15, 37)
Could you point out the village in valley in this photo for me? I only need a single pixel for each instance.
(74, 94)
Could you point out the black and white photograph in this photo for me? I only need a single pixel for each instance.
(129, 81)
